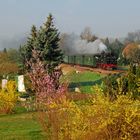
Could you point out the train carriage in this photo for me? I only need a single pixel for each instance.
(103, 60)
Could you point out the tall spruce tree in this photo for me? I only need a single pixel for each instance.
(28, 47)
(48, 44)
(26, 50)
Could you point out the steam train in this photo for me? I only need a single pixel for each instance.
(103, 60)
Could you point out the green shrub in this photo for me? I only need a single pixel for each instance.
(125, 84)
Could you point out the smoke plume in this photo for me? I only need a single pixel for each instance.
(74, 45)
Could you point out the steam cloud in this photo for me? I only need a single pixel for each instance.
(74, 45)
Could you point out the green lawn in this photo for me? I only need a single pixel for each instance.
(84, 80)
(85, 76)
(20, 127)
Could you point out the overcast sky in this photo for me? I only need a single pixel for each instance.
(112, 18)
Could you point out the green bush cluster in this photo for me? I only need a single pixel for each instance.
(123, 84)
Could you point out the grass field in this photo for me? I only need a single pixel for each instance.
(84, 80)
(23, 126)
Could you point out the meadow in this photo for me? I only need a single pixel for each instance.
(20, 126)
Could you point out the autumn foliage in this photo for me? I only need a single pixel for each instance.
(132, 52)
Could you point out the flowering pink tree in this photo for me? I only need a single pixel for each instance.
(46, 86)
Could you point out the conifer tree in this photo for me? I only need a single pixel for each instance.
(5, 50)
(26, 50)
(48, 44)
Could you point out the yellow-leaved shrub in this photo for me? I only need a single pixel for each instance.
(113, 120)
(8, 97)
(99, 119)
(64, 118)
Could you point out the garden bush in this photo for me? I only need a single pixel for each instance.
(8, 97)
(123, 84)
(46, 86)
(100, 119)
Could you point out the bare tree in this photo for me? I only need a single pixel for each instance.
(88, 35)
(133, 37)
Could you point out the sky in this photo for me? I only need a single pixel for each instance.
(106, 18)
